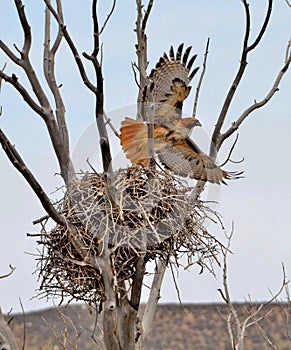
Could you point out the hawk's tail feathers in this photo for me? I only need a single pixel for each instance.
(134, 140)
(231, 175)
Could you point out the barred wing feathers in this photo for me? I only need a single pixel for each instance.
(184, 158)
(175, 151)
(170, 82)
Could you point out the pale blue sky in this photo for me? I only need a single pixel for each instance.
(259, 204)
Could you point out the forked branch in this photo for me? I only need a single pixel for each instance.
(247, 48)
(41, 104)
(72, 47)
(257, 104)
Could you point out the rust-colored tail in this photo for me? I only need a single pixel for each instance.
(134, 140)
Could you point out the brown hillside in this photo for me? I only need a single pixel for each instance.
(201, 327)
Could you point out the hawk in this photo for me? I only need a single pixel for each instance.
(167, 90)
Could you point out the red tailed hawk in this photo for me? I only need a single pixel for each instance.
(168, 88)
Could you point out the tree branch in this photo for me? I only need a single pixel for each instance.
(73, 48)
(240, 72)
(9, 53)
(49, 72)
(19, 164)
(99, 105)
(146, 16)
(12, 269)
(235, 125)
(108, 17)
(264, 27)
(151, 306)
(141, 49)
(13, 80)
(43, 108)
(200, 79)
(25, 27)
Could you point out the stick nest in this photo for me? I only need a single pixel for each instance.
(154, 216)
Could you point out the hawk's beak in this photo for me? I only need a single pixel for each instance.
(197, 123)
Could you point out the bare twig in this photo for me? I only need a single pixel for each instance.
(9, 273)
(200, 79)
(288, 51)
(108, 122)
(228, 159)
(146, 16)
(108, 17)
(24, 325)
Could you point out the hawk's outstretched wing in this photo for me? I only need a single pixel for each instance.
(169, 83)
(184, 158)
(174, 149)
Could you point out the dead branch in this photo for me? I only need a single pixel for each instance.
(146, 16)
(235, 125)
(108, 17)
(200, 79)
(141, 48)
(228, 158)
(247, 48)
(49, 72)
(288, 51)
(99, 111)
(24, 325)
(73, 48)
(13, 80)
(97, 90)
(63, 336)
(240, 331)
(43, 107)
(153, 299)
(24, 61)
(9, 273)
(19, 164)
(108, 122)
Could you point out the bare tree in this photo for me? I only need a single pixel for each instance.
(105, 234)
